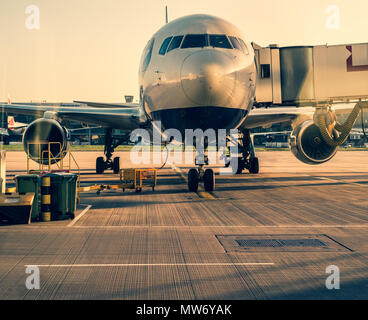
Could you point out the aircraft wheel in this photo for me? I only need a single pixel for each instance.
(116, 165)
(100, 165)
(209, 180)
(193, 180)
(254, 165)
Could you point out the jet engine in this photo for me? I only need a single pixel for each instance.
(308, 145)
(44, 139)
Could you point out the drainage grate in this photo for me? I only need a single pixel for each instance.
(281, 243)
(259, 243)
(289, 242)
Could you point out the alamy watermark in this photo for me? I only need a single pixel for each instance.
(333, 17)
(333, 280)
(33, 280)
(197, 147)
(32, 17)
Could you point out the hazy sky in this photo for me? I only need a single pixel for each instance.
(90, 49)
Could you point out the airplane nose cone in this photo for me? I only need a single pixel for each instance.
(208, 78)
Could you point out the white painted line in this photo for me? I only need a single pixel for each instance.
(340, 181)
(152, 265)
(178, 171)
(296, 226)
(291, 226)
(79, 216)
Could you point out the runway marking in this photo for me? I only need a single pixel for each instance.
(231, 226)
(352, 226)
(79, 216)
(152, 265)
(340, 181)
(347, 226)
(201, 192)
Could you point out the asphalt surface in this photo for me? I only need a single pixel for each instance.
(265, 236)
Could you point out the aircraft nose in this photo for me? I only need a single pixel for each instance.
(208, 78)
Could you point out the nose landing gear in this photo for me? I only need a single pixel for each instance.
(199, 175)
(207, 176)
(110, 145)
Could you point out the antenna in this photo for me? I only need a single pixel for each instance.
(167, 17)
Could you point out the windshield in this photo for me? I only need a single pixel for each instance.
(175, 43)
(219, 41)
(235, 42)
(195, 41)
(164, 46)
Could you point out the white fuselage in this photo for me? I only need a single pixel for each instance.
(204, 77)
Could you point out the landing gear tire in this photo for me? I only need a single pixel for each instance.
(100, 165)
(193, 180)
(209, 180)
(253, 165)
(116, 165)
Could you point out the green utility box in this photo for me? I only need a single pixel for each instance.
(30, 183)
(63, 195)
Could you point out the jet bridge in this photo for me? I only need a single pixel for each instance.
(303, 75)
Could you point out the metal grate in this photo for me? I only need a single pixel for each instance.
(258, 243)
(280, 243)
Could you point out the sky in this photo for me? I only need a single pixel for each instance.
(90, 49)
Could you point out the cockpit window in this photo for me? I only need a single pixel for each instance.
(175, 43)
(244, 46)
(195, 41)
(235, 42)
(147, 55)
(219, 41)
(202, 40)
(164, 46)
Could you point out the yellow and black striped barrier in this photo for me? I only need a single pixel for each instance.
(46, 198)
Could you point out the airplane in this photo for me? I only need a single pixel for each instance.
(198, 71)
(14, 129)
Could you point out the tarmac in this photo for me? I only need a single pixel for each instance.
(274, 235)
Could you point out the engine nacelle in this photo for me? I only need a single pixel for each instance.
(37, 136)
(308, 146)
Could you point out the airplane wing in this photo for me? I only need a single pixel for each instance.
(266, 117)
(108, 105)
(117, 118)
(130, 118)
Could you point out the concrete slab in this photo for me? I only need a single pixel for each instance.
(163, 245)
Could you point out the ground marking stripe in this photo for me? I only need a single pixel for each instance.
(79, 216)
(340, 181)
(231, 226)
(320, 226)
(153, 264)
(327, 226)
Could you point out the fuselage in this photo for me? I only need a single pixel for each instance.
(197, 72)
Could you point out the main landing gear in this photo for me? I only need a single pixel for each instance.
(110, 145)
(248, 159)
